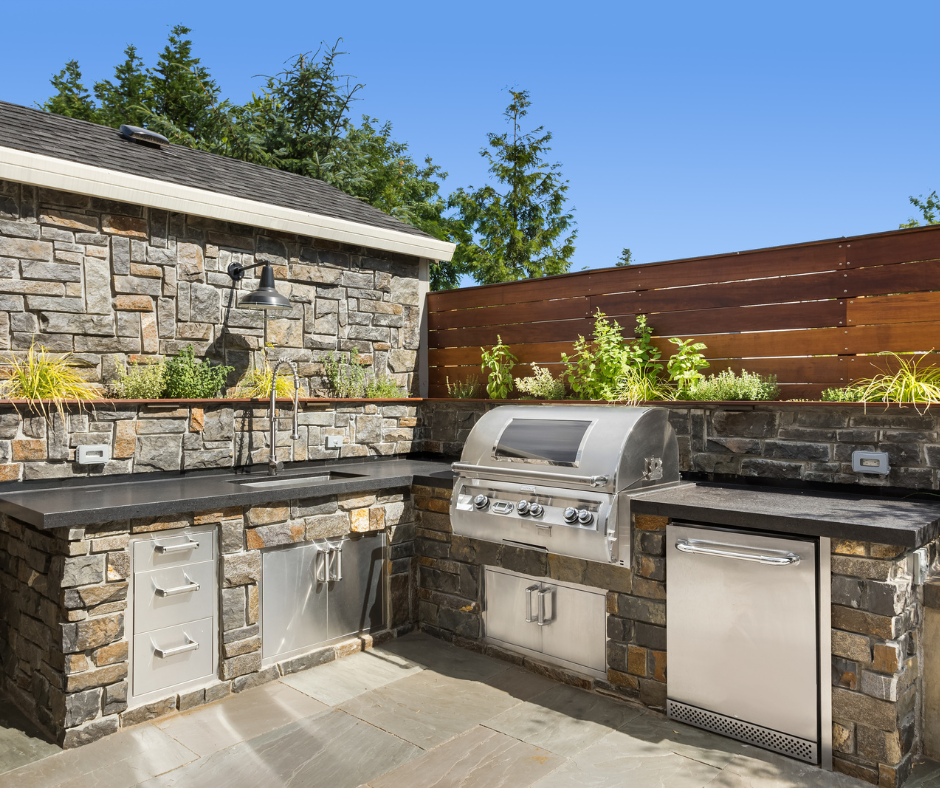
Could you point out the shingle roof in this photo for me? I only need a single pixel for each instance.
(36, 131)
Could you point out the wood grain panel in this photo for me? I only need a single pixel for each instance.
(540, 353)
(905, 308)
(518, 334)
(884, 280)
(899, 246)
(531, 312)
(773, 317)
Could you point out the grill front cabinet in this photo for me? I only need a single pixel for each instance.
(554, 621)
(320, 591)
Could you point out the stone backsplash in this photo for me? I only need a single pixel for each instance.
(172, 437)
(778, 441)
(111, 281)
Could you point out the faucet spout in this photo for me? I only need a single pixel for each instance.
(273, 465)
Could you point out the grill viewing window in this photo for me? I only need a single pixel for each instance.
(547, 441)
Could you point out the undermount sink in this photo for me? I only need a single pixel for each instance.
(297, 480)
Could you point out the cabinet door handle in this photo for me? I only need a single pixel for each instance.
(543, 619)
(336, 562)
(163, 653)
(319, 565)
(189, 588)
(528, 603)
(192, 544)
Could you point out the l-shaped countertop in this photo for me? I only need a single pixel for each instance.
(59, 503)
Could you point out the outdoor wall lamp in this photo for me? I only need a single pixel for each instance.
(266, 296)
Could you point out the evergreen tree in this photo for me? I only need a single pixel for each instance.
(625, 259)
(516, 231)
(130, 98)
(71, 98)
(183, 91)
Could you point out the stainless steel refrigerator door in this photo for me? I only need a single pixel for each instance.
(293, 601)
(741, 635)
(355, 600)
(575, 625)
(511, 609)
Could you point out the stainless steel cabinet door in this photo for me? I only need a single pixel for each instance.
(575, 627)
(293, 601)
(510, 600)
(355, 600)
(741, 634)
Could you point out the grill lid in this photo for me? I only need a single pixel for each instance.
(609, 447)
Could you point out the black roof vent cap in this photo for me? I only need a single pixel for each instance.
(138, 134)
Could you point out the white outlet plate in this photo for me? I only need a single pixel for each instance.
(97, 454)
(334, 441)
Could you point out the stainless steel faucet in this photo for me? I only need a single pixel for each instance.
(273, 465)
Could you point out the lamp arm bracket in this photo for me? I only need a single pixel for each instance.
(237, 271)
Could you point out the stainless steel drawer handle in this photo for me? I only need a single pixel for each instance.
(163, 653)
(192, 544)
(780, 559)
(543, 618)
(187, 589)
(528, 604)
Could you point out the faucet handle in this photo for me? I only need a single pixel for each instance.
(280, 466)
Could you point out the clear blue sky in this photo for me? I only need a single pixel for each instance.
(684, 128)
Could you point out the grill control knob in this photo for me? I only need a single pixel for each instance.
(536, 509)
(522, 507)
(585, 517)
(481, 502)
(571, 515)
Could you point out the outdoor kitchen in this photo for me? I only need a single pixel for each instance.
(760, 574)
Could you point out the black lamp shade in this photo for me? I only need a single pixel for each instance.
(266, 296)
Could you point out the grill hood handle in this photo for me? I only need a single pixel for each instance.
(529, 473)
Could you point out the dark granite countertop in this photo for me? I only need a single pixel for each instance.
(67, 503)
(895, 521)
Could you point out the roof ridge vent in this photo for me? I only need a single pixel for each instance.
(146, 136)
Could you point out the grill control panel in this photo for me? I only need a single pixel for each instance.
(541, 510)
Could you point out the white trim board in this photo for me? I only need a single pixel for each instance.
(52, 173)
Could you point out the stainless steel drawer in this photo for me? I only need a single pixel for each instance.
(173, 655)
(180, 548)
(163, 597)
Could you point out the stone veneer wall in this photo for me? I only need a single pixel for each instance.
(63, 641)
(105, 279)
(876, 627)
(789, 441)
(170, 437)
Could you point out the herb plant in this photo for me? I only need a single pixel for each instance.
(499, 361)
(256, 382)
(726, 386)
(913, 382)
(185, 377)
(597, 364)
(382, 387)
(42, 376)
(685, 363)
(139, 380)
(464, 389)
(346, 373)
(635, 386)
(541, 385)
(847, 394)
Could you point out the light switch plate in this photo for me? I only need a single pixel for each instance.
(93, 454)
(334, 441)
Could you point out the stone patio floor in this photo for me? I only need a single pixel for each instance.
(414, 713)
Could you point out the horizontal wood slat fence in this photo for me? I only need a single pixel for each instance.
(812, 314)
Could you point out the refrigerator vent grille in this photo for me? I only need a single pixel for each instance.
(792, 746)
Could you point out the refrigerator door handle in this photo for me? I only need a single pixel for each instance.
(779, 557)
(528, 603)
(543, 617)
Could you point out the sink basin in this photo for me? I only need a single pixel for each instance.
(297, 480)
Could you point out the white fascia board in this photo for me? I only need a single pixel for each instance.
(52, 173)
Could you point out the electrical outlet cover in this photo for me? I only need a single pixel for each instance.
(334, 441)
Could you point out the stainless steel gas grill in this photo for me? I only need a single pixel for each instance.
(559, 478)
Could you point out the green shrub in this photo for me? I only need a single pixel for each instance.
(911, 383)
(499, 361)
(43, 376)
(464, 389)
(139, 380)
(685, 363)
(541, 385)
(636, 385)
(726, 386)
(598, 363)
(185, 377)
